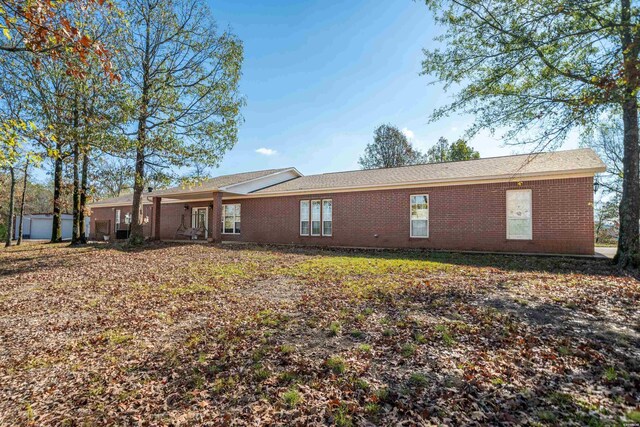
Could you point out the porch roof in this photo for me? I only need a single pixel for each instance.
(206, 188)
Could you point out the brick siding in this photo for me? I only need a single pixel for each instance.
(461, 217)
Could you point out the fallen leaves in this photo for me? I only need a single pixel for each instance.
(194, 334)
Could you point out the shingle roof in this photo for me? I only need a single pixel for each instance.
(212, 184)
(506, 167)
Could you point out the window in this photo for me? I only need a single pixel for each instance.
(519, 215)
(231, 219)
(304, 217)
(315, 217)
(127, 218)
(327, 223)
(419, 216)
(117, 224)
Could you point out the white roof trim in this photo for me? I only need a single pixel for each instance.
(228, 188)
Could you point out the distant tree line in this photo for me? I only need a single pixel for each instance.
(391, 148)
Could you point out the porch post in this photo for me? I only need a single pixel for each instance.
(216, 232)
(155, 225)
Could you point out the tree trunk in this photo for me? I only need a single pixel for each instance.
(12, 192)
(24, 196)
(83, 195)
(628, 243)
(137, 236)
(628, 254)
(56, 228)
(75, 233)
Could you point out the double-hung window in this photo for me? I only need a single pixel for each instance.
(231, 219)
(316, 217)
(304, 217)
(519, 225)
(327, 213)
(419, 216)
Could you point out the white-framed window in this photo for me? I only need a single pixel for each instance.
(519, 216)
(117, 223)
(231, 219)
(419, 216)
(327, 217)
(315, 217)
(127, 218)
(304, 217)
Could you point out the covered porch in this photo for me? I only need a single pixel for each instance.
(186, 216)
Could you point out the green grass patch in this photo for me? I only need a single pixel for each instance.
(445, 334)
(408, 350)
(610, 374)
(117, 337)
(341, 417)
(418, 380)
(336, 364)
(634, 416)
(291, 398)
(365, 348)
(361, 384)
(334, 329)
(288, 377)
(287, 349)
(382, 394)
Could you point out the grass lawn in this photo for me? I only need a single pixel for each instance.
(218, 335)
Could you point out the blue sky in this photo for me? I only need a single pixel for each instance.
(320, 76)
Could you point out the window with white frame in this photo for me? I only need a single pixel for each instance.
(304, 217)
(315, 217)
(419, 216)
(327, 217)
(117, 223)
(127, 218)
(231, 219)
(519, 225)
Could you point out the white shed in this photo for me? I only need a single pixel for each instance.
(38, 226)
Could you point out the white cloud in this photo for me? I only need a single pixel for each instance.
(408, 133)
(266, 151)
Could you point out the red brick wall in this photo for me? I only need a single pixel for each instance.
(464, 217)
(109, 214)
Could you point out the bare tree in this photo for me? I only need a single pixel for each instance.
(184, 79)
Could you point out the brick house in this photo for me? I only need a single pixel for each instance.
(525, 203)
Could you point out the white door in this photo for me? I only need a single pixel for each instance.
(199, 219)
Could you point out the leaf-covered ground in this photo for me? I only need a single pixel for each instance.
(242, 335)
